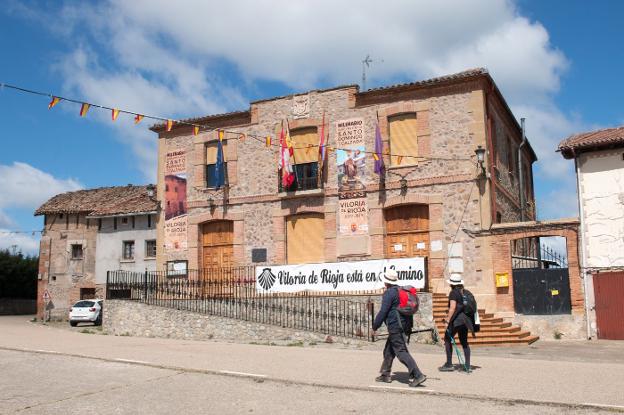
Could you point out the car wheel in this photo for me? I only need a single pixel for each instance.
(98, 320)
(73, 323)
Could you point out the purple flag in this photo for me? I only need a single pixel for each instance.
(378, 156)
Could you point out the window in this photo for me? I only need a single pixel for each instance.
(499, 217)
(114, 223)
(124, 220)
(99, 224)
(149, 221)
(133, 222)
(177, 268)
(403, 139)
(305, 238)
(84, 294)
(305, 156)
(150, 248)
(211, 163)
(166, 187)
(76, 251)
(128, 250)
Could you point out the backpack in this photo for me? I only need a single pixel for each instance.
(470, 304)
(408, 300)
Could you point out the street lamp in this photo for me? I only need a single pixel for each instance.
(480, 152)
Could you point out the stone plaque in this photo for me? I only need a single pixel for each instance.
(258, 255)
(301, 106)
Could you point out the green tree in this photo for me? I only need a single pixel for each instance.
(18, 275)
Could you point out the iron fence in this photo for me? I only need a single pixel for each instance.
(231, 292)
(544, 258)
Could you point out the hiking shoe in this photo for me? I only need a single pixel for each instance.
(417, 381)
(383, 378)
(447, 368)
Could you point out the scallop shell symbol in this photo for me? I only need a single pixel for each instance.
(266, 279)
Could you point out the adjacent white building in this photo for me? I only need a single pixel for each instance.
(599, 161)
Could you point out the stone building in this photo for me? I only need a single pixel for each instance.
(599, 163)
(89, 232)
(432, 193)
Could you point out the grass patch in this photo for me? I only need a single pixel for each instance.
(295, 344)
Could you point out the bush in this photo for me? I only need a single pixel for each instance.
(18, 275)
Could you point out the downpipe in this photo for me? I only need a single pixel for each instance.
(521, 178)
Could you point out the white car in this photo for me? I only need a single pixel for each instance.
(86, 311)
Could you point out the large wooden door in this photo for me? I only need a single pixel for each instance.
(217, 249)
(407, 231)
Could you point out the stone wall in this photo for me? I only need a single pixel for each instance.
(557, 327)
(122, 317)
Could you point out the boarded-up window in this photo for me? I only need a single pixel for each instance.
(211, 152)
(305, 238)
(403, 139)
(305, 145)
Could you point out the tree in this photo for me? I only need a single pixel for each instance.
(18, 275)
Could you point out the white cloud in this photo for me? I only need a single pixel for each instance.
(25, 243)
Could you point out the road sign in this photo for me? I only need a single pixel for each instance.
(46, 296)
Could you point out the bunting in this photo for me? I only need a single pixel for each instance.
(84, 108)
(55, 100)
(115, 114)
(195, 129)
(242, 137)
(169, 125)
(138, 118)
(268, 141)
(399, 159)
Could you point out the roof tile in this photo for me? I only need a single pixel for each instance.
(593, 140)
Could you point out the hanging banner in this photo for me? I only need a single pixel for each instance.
(175, 201)
(351, 172)
(339, 276)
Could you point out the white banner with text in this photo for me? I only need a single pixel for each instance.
(338, 276)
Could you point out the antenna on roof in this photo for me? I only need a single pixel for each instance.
(366, 64)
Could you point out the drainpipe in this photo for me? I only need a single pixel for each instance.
(583, 261)
(521, 178)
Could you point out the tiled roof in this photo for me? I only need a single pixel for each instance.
(432, 81)
(592, 140)
(103, 201)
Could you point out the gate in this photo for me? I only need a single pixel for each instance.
(541, 291)
(609, 294)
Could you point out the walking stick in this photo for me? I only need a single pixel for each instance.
(461, 361)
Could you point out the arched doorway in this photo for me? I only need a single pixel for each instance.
(406, 231)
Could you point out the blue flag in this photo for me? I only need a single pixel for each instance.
(219, 166)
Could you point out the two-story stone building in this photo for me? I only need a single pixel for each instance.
(433, 188)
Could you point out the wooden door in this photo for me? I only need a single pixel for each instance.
(407, 231)
(609, 292)
(217, 256)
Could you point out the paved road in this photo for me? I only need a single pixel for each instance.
(504, 377)
(34, 383)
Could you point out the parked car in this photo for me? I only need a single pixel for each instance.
(86, 311)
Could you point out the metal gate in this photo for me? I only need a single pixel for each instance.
(541, 291)
(609, 293)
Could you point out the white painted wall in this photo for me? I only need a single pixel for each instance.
(601, 175)
(109, 251)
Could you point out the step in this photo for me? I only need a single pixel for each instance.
(508, 342)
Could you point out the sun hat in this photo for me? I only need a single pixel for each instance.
(390, 277)
(455, 279)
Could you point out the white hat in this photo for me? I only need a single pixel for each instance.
(390, 277)
(455, 279)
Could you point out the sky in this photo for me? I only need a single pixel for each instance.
(558, 64)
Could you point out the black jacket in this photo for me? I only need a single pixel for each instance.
(388, 313)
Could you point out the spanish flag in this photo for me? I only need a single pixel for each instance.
(115, 114)
(375, 156)
(220, 135)
(55, 100)
(195, 129)
(138, 118)
(84, 109)
(268, 141)
(169, 125)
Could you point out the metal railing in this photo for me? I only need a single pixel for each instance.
(231, 292)
(547, 258)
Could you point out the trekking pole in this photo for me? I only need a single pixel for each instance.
(461, 361)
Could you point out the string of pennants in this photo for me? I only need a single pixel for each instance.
(197, 128)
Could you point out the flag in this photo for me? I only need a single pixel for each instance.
(138, 118)
(84, 109)
(322, 144)
(115, 114)
(195, 129)
(55, 100)
(220, 165)
(379, 164)
(285, 161)
(268, 141)
(169, 125)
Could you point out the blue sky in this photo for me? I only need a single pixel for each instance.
(558, 64)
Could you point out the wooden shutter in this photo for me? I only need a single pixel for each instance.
(305, 241)
(302, 139)
(211, 152)
(403, 139)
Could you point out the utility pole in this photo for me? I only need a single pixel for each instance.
(366, 64)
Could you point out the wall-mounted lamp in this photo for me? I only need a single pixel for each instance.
(480, 152)
(403, 184)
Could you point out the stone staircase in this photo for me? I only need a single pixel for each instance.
(495, 331)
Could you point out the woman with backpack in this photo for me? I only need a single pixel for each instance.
(459, 320)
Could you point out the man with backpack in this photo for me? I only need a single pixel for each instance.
(460, 319)
(399, 326)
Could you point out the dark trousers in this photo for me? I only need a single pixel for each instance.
(397, 347)
(462, 333)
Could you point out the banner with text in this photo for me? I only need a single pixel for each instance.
(351, 171)
(175, 201)
(338, 276)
